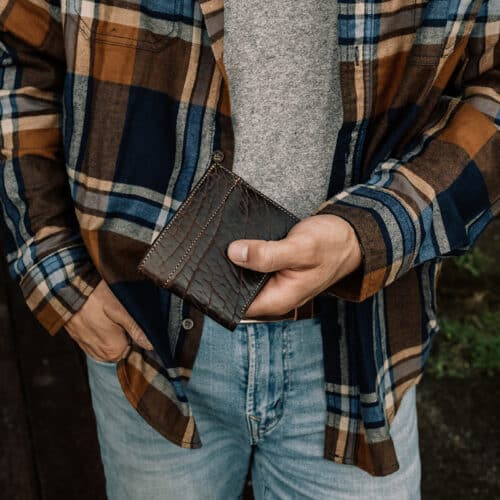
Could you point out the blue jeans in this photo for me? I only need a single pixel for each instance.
(258, 398)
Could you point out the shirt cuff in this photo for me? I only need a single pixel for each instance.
(387, 241)
(58, 285)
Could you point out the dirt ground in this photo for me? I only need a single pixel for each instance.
(459, 438)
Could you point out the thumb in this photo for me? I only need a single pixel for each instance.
(262, 255)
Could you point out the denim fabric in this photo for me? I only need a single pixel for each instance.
(258, 396)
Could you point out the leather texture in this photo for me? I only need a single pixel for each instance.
(189, 256)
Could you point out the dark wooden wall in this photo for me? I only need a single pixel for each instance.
(48, 444)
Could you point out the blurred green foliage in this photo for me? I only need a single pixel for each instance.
(469, 312)
(475, 262)
(468, 345)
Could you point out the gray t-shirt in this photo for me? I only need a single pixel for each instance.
(282, 58)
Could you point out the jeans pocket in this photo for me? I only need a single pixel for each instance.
(405, 415)
(107, 364)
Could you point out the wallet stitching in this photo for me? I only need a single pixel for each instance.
(187, 202)
(189, 199)
(204, 228)
(270, 200)
(253, 295)
(284, 210)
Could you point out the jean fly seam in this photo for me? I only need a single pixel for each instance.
(250, 395)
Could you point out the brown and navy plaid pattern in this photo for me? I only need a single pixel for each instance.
(110, 110)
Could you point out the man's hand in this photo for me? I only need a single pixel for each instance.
(317, 252)
(101, 325)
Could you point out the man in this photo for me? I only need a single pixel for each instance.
(376, 122)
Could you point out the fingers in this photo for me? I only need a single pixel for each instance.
(269, 256)
(279, 295)
(119, 315)
(98, 336)
(111, 354)
(101, 326)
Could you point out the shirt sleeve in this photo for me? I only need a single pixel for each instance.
(436, 199)
(41, 237)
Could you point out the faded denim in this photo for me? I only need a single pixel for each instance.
(258, 397)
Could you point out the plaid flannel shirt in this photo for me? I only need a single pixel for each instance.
(110, 111)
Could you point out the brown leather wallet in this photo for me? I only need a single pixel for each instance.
(189, 256)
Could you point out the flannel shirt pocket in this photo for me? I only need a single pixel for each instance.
(142, 24)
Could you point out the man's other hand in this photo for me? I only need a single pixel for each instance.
(317, 252)
(100, 327)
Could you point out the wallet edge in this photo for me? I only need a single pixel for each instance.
(185, 204)
(141, 268)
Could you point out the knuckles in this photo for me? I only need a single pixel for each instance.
(112, 352)
(111, 355)
(263, 257)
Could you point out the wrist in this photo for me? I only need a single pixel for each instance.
(343, 237)
(355, 256)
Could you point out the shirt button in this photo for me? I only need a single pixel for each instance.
(217, 156)
(187, 323)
